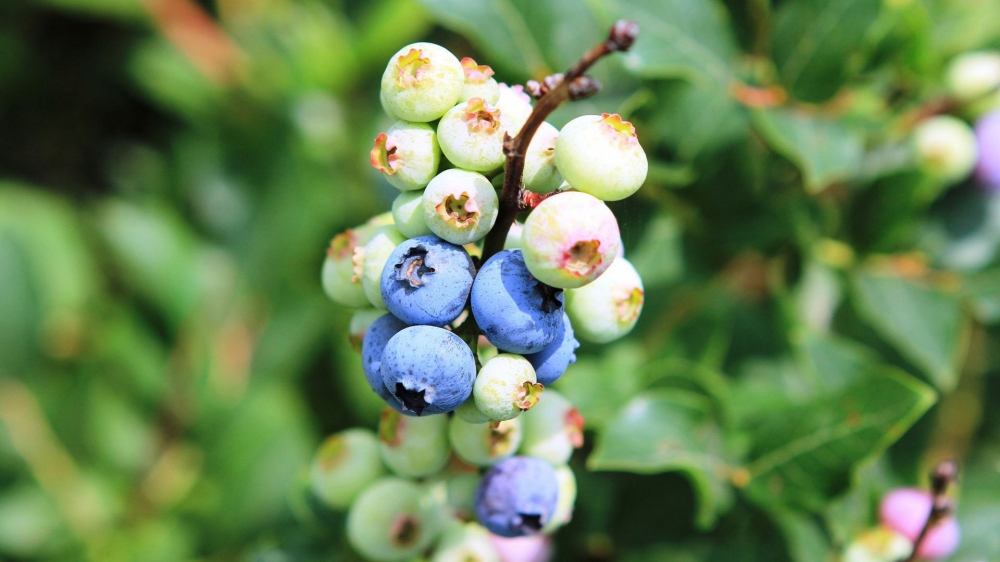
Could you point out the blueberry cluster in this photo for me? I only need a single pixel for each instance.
(447, 327)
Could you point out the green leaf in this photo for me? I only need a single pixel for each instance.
(697, 118)
(668, 430)
(825, 151)
(836, 362)
(802, 456)
(979, 509)
(599, 387)
(815, 42)
(925, 325)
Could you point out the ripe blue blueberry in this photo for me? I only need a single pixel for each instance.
(516, 312)
(427, 281)
(429, 370)
(988, 137)
(379, 334)
(551, 362)
(517, 497)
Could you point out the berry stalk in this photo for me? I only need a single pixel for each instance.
(552, 92)
(944, 475)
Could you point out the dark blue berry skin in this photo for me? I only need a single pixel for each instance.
(379, 334)
(551, 362)
(517, 497)
(427, 281)
(516, 312)
(428, 370)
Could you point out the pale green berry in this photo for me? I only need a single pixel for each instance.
(973, 76)
(413, 446)
(540, 172)
(505, 387)
(471, 135)
(372, 259)
(552, 429)
(513, 240)
(469, 413)
(608, 308)
(460, 206)
(408, 214)
(515, 106)
(878, 545)
(465, 542)
(341, 275)
(566, 500)
(946, 148)
(407, 154)
(483, 444)
(358, 326)
(461, 495)
(479, 82)
(601, 155)
(421, 82)
(570, 239)
(344, 465)
(392, 520)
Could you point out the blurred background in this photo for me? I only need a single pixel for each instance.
(821, 304)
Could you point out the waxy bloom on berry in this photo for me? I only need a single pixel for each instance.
(407, 155)
(421, 82)
(601, 155)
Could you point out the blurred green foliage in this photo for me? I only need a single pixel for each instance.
(821, 319)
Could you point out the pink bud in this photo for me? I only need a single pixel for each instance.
(905, 510)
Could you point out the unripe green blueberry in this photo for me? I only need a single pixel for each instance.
(878, 545)
(469, 413)
(413, 446)
(566, 502)
(341, 275)
(471, 135)
(392, 520)
(483, 444)
(407, 154)
(460, 490)
(513, 240)
(608, 308)
(515, 106)
(570, 239)
(408, 214)
(505, 387)
(465, 542)
(946, 148)
(344, 465)
(372, 259)
(601, 155)
(552, 429)
(358, 326)
(972, 76)
(540, 172)
(421, 82)
(460, 206)
(479, 82)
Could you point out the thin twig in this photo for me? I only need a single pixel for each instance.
(944, 475)
(555, 89)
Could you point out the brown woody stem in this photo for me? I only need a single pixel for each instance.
(944, 475)
(572, 85)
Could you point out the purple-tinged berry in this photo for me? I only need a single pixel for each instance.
(377, 336)
(515, 311)
(945, 147)
(540, 172)
(566, 502)
(570, 239)
(421, 82)
(479, 82)
(505, 387)
(468, 542)
(408, 214)
(551, 362)
(905, 510)
(372, 260)
(608, 308)
(552, 429)
(392, 520)
(483, 444)
(407, 155)
(427, 281)
(515, 105)
(412, 446)
(471, 135)
(988, 139)
(460, 206)
(517, 497)
(601, 155)
(344, 465)
(429, 370)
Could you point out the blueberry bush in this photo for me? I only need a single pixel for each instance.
(189, 339)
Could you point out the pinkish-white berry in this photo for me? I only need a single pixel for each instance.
(608, 308)
(407, 155)
(471, 135)
(905, 510)
(540, 172)
(601, 155)
(515, 105)
(460, 206)
(421, 82)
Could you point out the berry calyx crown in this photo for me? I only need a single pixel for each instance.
(383, 155)
(461, 211)
(618, 128)
(481, 116)
(529, 395)
(476, 74)
(410, 68)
